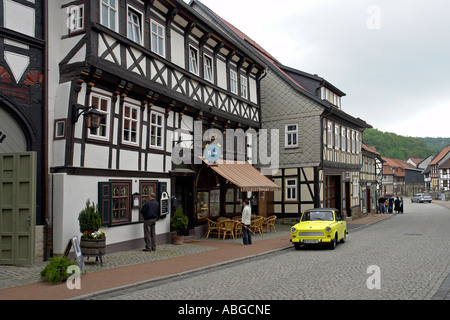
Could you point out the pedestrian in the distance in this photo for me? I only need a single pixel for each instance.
(150, 213)
(401, 205)
(397, 205)
(246, 221)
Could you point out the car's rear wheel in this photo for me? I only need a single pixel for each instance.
(297, 246)
(345, 237)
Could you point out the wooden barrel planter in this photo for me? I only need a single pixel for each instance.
(93, 248)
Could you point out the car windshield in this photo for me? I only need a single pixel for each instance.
(317, 216)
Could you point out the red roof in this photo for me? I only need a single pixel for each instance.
(440, 156)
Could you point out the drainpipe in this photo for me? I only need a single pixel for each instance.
(48, 225)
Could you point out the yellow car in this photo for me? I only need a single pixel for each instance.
(319, 226)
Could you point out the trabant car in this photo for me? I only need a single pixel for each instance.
(319, 226)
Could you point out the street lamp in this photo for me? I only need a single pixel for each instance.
(92, 116)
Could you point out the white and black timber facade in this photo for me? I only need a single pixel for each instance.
(151, 67)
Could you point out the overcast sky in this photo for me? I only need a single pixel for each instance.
(391, 57)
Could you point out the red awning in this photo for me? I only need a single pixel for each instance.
(243, 175)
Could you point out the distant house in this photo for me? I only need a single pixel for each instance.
(444, 175)
(369, 181)
(415, 161)
(432, 174)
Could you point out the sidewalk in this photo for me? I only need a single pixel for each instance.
(168, 261)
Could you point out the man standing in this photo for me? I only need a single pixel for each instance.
(150, 213)
(246, 221)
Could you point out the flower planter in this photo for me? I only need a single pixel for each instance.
(177, 240)
(93, 247)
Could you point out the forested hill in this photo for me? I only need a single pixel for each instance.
(394, 146)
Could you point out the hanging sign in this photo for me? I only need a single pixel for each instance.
(164, 204)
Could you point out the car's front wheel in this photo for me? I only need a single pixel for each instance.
(333, 243)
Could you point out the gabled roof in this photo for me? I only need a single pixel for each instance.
(440, 156)
(445, 164)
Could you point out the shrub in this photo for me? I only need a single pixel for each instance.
(56, 270)
(89, 218)
(179, 222)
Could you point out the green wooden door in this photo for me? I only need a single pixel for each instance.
(17, 208)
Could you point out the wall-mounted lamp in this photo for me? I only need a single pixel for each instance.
(92, 116)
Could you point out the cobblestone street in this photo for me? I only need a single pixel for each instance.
(411, 251)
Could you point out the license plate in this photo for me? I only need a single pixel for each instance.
(310, 241)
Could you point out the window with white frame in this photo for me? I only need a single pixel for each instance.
(343, 139)
(102, 104)
(208, 67)
(353, 142)
(349, 141)
(134, 25)
(291, 136)
(157, 35)
(337, 138)
(76, 21)
(329, 134)
(244, 87)
(233, 82)
(108, 14)
(156, 130)
(193, 60)
(358, 147)
(131, 117)
(291, 190)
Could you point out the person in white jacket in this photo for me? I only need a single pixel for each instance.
(246, 221)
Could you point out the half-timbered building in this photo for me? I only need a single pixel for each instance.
(320, 144)
(159, 74)
(23, 161)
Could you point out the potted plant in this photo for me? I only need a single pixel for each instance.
(179, 223)
(56, 270)
(93, 241)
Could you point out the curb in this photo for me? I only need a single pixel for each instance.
(176, 275)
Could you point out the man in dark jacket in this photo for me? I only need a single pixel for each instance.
(150, 213)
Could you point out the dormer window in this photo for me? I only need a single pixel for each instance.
(330, 96)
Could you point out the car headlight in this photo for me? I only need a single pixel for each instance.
(328, 229)
(293, 230)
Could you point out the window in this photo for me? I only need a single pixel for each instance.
(353, 142)
(291, 190)
(108, 13)
(103, 105)
(131, 115)
(156, 130)
(358, 147)
(343, 139)
(60, 129)
(193, 60)
(291, 136)
(157, 34)
(134, 26)
(329, 134)
(208, 68)
(233, 82)
(244, 91)
(76, 15)
(121, 202)
(337, 139)
(349, 141)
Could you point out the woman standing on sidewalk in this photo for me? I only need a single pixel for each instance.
(246, 221)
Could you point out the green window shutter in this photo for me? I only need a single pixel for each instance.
(105, 202)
